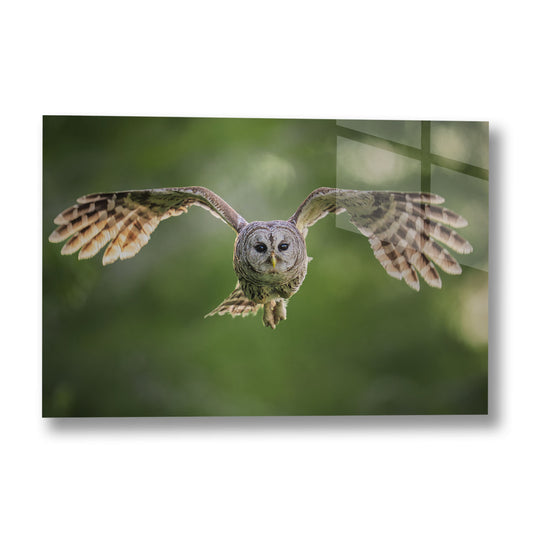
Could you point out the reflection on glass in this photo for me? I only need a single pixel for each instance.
(360, 166)
(401, 131)
(467, 142)
(469, 196)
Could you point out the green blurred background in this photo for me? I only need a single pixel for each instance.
(130, 339)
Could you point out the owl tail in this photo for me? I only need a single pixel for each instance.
(236, 304)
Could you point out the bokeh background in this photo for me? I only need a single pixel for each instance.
(129, 339)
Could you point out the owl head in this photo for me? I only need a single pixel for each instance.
(272, 248)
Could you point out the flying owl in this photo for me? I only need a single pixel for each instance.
(270, 258)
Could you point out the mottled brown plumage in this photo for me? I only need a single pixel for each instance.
(270, 258)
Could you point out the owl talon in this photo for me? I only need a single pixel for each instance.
(268, 315)
(274, 312)
(280, 311)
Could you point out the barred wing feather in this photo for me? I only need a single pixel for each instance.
(126, 219)
(402, 228)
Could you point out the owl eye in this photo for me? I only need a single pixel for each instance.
(283, 246)
(261, 248)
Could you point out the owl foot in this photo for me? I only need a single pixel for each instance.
(274, 312)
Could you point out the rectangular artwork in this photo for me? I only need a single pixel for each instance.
(337, 267)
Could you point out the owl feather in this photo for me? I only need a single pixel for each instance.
(126, 219)
(402, 228)
(236, 304)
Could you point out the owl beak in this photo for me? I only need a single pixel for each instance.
(273, 260)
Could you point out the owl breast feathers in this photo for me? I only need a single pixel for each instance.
(270, 258)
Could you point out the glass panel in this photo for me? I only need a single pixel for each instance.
(467, 142)
(469, 197)
(364, 167)
(401, 131)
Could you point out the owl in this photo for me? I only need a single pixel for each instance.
(270, 258)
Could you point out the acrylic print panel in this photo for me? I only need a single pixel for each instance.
(130, 338)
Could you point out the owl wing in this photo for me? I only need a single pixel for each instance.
(402, 229)
(126, 219)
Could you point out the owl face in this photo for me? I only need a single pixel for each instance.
(270, 248)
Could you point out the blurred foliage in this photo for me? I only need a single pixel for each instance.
(130, 339)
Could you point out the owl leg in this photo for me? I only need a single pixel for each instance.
(268, 315)
(274, 312)
(280, 311)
